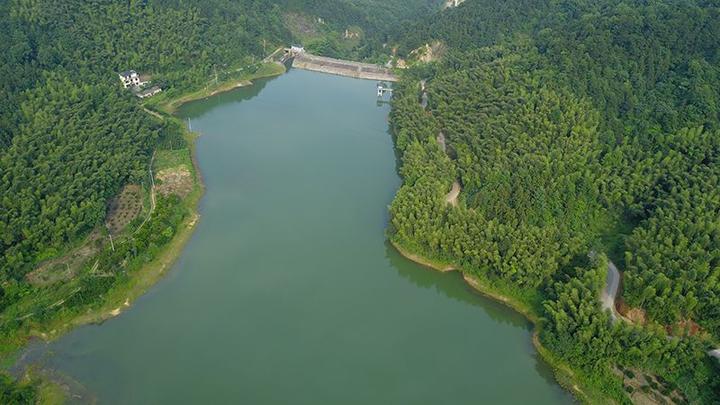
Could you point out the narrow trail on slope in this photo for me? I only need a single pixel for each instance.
(609, 293)
(441, 141)
(452, 197)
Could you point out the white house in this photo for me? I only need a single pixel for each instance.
(130, 78)
(453, 3)
(295, 49)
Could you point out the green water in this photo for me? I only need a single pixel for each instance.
(288, 293)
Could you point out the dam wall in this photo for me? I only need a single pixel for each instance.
(340, 67)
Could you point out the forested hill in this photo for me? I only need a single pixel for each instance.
(576, 127)
(380, 18)
(321, 24)
(70, 137)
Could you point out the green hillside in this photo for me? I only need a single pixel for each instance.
(576, 127)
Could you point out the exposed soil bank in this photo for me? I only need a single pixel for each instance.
(421, 260)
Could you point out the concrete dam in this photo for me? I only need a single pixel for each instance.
(307, 61)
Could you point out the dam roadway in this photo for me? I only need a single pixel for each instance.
(307, 61)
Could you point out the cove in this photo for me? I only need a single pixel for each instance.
(288, 292)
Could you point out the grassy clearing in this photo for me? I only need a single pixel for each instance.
(167, 159)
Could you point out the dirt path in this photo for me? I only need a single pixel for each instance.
(272, 55)
(608, 297)
(452, 196)
(152, 194)
(152, 183)
(154, 114)
(609, 293)
(424, 96)
(441, 141)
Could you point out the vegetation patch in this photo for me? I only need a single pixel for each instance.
(65, 267)
(177, 181)
(168, 159)
(302, 26)
(124, 208)
(649, 389)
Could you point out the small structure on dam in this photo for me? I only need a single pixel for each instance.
(381, 89)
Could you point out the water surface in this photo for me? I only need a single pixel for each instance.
(288, 293)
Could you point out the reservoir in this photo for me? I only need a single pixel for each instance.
(288, 292)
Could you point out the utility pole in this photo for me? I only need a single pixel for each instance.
(112, 245)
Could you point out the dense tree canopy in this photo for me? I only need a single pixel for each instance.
(575, 127)
(572, 127)
(69, 137)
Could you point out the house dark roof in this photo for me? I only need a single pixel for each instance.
(127, 73)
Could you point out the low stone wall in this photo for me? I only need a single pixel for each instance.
(359, 70)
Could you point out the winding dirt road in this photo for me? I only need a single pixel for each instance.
(609, 293)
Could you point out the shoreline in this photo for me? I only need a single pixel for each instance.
(563, 373)
(122, 298)
(266, 70)
(443, 268)
(145, 278)
(154, 271)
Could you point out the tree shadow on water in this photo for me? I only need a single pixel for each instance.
(452, 285)
(198, 108)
